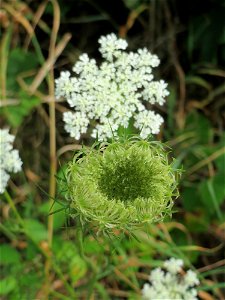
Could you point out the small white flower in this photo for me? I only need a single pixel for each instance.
(9, 158)
(191, 278)
(173, 265)
(76, 123)
(102, 132)
(4, 178)
(110, 46)
(85, 66)
(157, 275)
(155, 92)
(63, 85)
(113, 91)
(148, 122)
(170, 285)
(147, 59)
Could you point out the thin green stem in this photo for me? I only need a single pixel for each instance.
(80, 242)
(13, 207)
(214, 200)
(90, 264)
(66, 284)
(7, 232)
(211, 287)
(58, 295)
(4, 51)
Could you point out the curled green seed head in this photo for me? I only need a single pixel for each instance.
(121, 185)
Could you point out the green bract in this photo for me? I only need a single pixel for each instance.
(121, 185)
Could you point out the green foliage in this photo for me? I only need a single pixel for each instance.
(60, 221)
(207, 194)
(195, 233)
(19, 62)
(35, 230)
(8, 255)
(16, 114)
(200, 126)
(7, 285)
(203, 30)
(212, 195)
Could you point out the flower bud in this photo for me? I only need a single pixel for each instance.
(121, 185)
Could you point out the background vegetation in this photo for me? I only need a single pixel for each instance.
(39, 255)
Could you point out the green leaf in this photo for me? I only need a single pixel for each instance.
(132, 4)
(77, 268)
(199, 124)
(218, 185)
(190, 198)
(92, 246)
(15, 114)
(193, 223)
(8, 255)
(199, 81)
(36, 230)
(220, 161)
(64, 250)
(28, 285)
(19, 61)
(59, 216)
(211, 195)
(7, 285)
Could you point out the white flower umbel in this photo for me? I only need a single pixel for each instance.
(110, 95)
(9, 158)
(171, 284)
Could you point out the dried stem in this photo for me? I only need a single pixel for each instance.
(178, 68)
(53, 165)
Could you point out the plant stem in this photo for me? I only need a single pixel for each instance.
(89, 262)
(52, 183)
(13, 207)
(59, 296)
(80, 242)
(7, 232)
(52, 135)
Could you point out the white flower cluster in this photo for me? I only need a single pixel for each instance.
(112, 93)
(171, 284)
(9, 158)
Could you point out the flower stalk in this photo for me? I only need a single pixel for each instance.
(89, 262)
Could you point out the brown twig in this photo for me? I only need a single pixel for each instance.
(134, 14)
(206, 161)
(48, 65)
(19, 18)
(180, 73)
(52, 135)
(67, 148)
(36, 19)
(118, 293)
(217, 264)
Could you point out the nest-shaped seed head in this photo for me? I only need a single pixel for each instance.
(122, 185)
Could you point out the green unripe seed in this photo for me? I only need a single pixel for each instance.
(122, 185)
